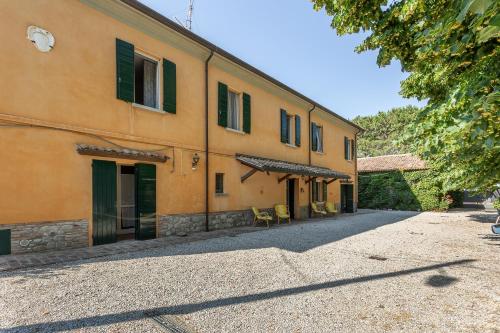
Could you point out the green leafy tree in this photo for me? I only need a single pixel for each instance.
(383, 131)
(451, 49)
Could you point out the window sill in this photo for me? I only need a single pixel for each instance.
(319, 152)
(291, 146)
(235, 131)
(221, 194)
(148, 108)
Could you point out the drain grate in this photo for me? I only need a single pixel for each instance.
(169, 323)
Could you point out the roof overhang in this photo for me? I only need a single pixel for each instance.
(129, 154)
(272, 165)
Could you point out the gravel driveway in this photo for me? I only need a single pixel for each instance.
(374, 272)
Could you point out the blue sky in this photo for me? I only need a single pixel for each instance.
(290, 41)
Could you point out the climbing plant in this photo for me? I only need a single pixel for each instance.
(451, 50)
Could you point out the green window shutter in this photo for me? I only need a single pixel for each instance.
(284, 125)
(346, 148)
(222, 109)
(124, 71)
(314, 139)
(247, 113)
(5, 241)
(104, 196)
(145, 202)
(353, 150)
(297, 130)
(169, 86)
(325, 191)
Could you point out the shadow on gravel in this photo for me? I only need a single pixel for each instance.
(300, 238)
(440, 281)
(96, 321)
(483, 218)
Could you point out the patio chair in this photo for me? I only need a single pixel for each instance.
(261, 216)
(282, 213)
(330, 208)
(316, 210)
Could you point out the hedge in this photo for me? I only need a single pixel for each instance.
(405, 190)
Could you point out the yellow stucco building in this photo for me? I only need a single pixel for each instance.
(116, 122)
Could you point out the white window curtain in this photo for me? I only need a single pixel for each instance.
(319, 138)
(289, 129)
(150, 84)
(233, 116)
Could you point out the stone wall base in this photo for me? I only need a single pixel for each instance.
(36, 237)
(191, 223)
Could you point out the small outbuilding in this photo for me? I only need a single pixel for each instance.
(401, 182)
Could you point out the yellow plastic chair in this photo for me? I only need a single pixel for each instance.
(261, 216)
(316, 210)
(282, 213)
(330, 208)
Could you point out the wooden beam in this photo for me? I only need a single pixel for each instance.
(284, 177)
(331, 181)
(248, 174)
(310, 179)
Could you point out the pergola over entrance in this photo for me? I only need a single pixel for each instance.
(288, 168)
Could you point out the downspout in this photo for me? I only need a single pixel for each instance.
(356, 178)
(309, 151)
(206, 138)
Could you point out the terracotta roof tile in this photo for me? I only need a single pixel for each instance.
(390, 162)
(267, 164)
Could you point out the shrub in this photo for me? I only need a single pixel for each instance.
(402, 190)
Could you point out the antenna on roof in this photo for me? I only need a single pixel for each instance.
(189, 16)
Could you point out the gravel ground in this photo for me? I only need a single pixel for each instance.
(376, 272)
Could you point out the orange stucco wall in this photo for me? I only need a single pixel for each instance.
(52, 101)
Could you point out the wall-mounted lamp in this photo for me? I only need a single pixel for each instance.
(196, 160)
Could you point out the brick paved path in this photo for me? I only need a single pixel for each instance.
(13, 262)
(19, 261)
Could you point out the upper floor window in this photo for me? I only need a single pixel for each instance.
(233, 110)
(349, 149)
(138, 78)
(146, 81)
(290, 128)
(317, 137)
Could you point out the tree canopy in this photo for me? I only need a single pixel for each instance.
(451, 50)
(383, 131)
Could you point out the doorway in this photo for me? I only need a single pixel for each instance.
(123, 201)
(125, 226)
(290, 196)
(346, 198)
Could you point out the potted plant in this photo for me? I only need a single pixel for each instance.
(496, 205)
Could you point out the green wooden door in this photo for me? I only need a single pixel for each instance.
(4, 241)
(103, 202)
(145, 191)
(346, 198)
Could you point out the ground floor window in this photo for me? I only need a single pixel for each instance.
(219, 183)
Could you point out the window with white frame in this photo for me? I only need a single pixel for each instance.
(289, 128)
(348, 149)
(146, 88)
(317, 137)
(233, 110)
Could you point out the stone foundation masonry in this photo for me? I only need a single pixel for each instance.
(36, 237)
(190, 223)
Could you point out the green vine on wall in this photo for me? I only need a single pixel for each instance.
(405, 190)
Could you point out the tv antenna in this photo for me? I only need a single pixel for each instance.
(189, 17)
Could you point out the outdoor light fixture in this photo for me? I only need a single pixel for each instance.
(196, 160)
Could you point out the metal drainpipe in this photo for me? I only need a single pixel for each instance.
(310, 142)
(206, 139)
